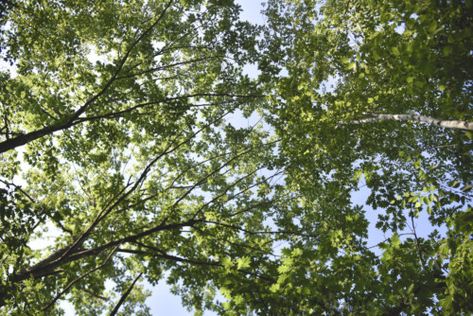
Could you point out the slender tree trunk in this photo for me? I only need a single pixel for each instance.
(455, 124)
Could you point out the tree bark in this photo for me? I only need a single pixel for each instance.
(26, 138)
(454, 124)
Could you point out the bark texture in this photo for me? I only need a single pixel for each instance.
(455, 124)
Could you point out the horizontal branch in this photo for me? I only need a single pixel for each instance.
(260, 232)
(161, 254)
(453, 124)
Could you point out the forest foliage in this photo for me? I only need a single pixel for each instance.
(136, 149)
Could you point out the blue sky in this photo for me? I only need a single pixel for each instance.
(251, 10)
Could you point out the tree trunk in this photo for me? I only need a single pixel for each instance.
(455, 124)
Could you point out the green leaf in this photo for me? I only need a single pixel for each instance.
(243, 263)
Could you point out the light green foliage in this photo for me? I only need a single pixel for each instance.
(338, 63)
(123, 157)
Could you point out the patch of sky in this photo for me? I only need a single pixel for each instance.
(400, 28)
(251, 70)
(11, 69)
(414, 16)
(251, 11)
(329, 85)
(94, 56)
(163, 302)
(238, 120)
(6, 65)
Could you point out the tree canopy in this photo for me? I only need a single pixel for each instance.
(135, 149)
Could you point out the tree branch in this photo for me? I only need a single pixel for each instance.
(23, 139)
(68, 286)
(125, 295)
(453, 124)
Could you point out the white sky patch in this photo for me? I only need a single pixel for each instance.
(251, 70)
(354, 41)
(237, 120)
(94, 56)
(47, 237)
(163, 302)
(414, 16)
(11, 69)
(251, 11)
(4, 65)
(158, 45)
(400, 28)
(67, 307)
(329, 85)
